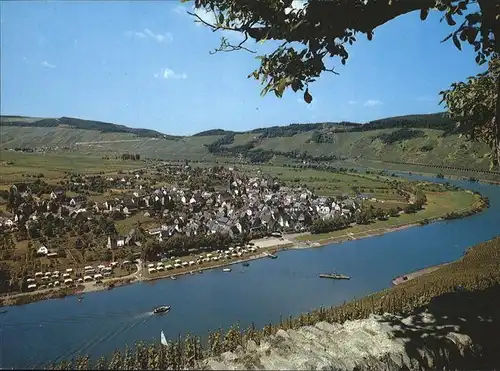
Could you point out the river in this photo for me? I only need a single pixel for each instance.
(36, 334)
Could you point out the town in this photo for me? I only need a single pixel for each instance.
(78, 230)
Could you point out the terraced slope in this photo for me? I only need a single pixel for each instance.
(421, 139)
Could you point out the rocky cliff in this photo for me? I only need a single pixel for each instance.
(385, 342)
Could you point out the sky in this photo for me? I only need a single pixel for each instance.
(146, 64)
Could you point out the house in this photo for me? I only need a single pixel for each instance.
(57, 193)
(42, 250)
(111, 243)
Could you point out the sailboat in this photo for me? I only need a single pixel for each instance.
(163, 339)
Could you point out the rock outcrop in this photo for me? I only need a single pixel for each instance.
(388, 342)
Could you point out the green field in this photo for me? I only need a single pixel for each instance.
(15, 166)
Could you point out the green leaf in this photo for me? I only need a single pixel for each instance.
(449, 20)
(457, 42)
(424, 13)
(307, 97)
(471, 34)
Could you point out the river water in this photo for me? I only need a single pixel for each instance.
(36, 334)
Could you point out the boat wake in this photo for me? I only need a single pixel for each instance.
(87, 347)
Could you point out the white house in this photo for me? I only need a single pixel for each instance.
(42, 250)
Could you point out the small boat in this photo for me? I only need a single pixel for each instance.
(162, 309)
(200, 272)
(163, 339)
(246, 264)
(226, 270)
(80, 298)
(3, 311)
(272, 256)
(334, 276)
(173, 277)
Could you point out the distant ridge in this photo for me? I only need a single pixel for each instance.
(70, 122)
(429, 139)
(426, 121)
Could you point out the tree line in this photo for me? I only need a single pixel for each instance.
(131, 156)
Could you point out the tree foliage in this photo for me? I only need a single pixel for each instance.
(322, 29)
(473, 104)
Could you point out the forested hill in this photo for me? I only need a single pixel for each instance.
(437, 121)
(74, 123)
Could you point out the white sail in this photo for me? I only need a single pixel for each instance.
(163, 339)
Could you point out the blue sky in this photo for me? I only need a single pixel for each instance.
(147, 64)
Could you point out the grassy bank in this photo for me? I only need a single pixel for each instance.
(440, 205)
(476, 271)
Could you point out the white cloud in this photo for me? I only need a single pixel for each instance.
(372, 103)
(48, 65)
(147, 33)
(167, 73)
(352, 102)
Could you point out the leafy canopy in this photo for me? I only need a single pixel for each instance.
(322, 29)
(472, 105)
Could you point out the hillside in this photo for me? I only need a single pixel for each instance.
(421, 139)
(74, 123)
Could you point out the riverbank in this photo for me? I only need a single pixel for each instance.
(262, 253)
(412, 275)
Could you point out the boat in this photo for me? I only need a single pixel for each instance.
(173, 278)
(246, 264)
(162, 309)
(80, 298)
(163, 339)
(272, 256)
(3, 311)
(226, 270)
(334, 276)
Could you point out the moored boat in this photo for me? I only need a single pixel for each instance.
(272, 256)
(334, 276)
(226, 270)
(246, 264)
(161, 309)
